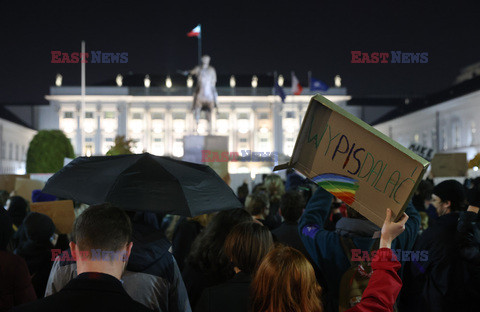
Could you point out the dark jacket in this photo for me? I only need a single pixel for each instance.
(15, 284)
(325, 248)
(183, 238)
(88, 292)
(151, 255)
(287, 234)
(469, 244)
(469, 229)
(38, 258)
(273, 220)
(232, 296)
(196, 282)
(438, 283)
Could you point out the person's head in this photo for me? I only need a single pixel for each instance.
(207, 254)
(105, 228)
(275, 187)
(17, 209)
(247, 244)
(423, 195)
(3, 197)
(258, 205)
(448, 196)
(242, 191)
(291, 206)
(205, 60)
(39, 228)
(285, 281)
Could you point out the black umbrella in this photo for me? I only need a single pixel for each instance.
(143, 182)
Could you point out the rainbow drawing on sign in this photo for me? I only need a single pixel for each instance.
(342, 187)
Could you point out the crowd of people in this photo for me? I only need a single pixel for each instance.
(293, 247)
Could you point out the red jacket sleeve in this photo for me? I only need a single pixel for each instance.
(384, 285)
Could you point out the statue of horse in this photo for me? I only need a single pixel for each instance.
(205, 96)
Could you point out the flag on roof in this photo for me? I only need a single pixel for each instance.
(317, 85)
(279, 91)
(296, 87)
(196, 32)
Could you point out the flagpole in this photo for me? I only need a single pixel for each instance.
(200, 46)
(82, 107)
(309, 80)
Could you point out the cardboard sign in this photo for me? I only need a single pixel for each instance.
(355, 162)
(61, 212)
(25, 187)
(449, 165)
(7, 181)
(199, 148)
(422, 151)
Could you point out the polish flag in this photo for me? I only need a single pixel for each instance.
(195, 32)
(296, 87)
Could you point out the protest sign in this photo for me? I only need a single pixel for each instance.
(196, 146)
(355, 162)
(449, 165)
(7, 181)
(61, 212)
(422, 151)
(25, 187)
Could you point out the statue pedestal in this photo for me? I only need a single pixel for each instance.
(201, 148)
(193, 145)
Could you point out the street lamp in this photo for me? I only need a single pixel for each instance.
(189, 81)
(119, 80)
(58, 80)
(168, 82)
(254, 81)
(147, 81)
(280, 81)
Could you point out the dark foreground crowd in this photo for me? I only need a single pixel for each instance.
(294, 247)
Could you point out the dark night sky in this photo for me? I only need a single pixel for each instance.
(249, 37)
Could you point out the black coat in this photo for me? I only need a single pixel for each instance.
(38, 258)
(287, 234)
(437, 284)
(232, 296)
(87, 292)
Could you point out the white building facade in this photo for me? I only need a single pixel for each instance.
(448, 127)
(14, 139)
(158, 120)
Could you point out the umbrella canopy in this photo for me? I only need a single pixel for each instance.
(143, 182)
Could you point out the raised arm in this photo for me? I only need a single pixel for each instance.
(316, 239)
(406, 240)
(384, 284)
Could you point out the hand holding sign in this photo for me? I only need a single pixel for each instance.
(391, 229)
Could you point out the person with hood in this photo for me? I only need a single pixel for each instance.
(16, 207)
(325, 247)
(36, 250)
(15, 283)
(152, 276)
(437, 284)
